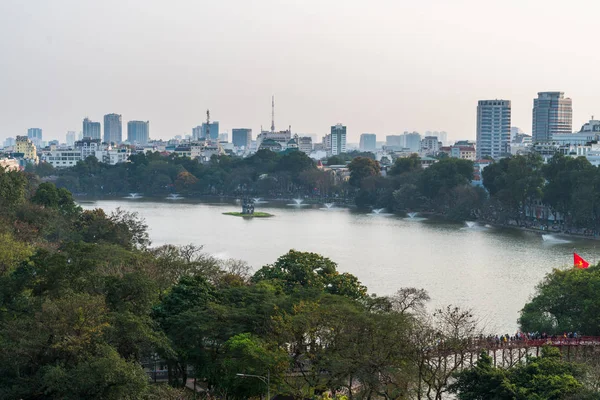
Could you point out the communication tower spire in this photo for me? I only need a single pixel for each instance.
(273, 114)
(207, 124)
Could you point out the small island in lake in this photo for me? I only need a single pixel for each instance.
(254, 215)
(248, 211)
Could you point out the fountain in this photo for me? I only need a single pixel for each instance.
(551, 239)
(412, 215)
(174, 196)
(470, 224)
(133, 196)
(298, 203)
(377, 211)
(328, 205)
(258, 200)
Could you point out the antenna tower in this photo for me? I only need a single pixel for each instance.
(208, 125)
(273, 114)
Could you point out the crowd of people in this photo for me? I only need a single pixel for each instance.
(520, 337)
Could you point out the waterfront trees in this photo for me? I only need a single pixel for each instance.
(565, 301)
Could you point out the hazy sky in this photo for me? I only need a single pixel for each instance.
(377, 66)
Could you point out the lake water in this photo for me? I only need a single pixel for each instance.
(493, 271)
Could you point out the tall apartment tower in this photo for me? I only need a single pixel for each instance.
(368, 142)
(35, 135)
(241, 137)
(138, 132)
(552, 114)
(71, 137)
(338, 139)
(113, 128)
(493, 128)
(91, 129)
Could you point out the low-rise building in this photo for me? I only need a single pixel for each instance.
(24, 145)
(61, 158)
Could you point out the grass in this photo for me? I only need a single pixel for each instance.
(255, 215)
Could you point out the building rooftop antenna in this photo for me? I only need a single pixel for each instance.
(273, 114)
(207, 124)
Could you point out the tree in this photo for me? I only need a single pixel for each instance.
(404, 165)
(565, 301)
(362, 168)
(545, 377)
(296, 270)
(12, 253)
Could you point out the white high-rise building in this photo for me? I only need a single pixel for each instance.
(493, 128)
(552, 114)
(71, 138)
(337, 139)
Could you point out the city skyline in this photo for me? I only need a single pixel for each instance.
(401, 66)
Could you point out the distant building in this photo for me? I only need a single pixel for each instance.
(10, 164)
(368, 142)
(241, 137)
(138, 132)
(493, 128)
(212, 133)
(395, 142)
(442, 136)
(35, 135)
(223, 137)
(87, 147)
(71, 138)
(552, 115)
(281, 137)
(113, 128)
(305, 144)
(430, 145)
(338, 139)
(91, 129)
(24, 145)
(8, 142)
(412, 141)
(61, 158)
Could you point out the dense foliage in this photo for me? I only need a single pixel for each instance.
(547, 377)
(88, 309)
(263, 174)
(565, 301)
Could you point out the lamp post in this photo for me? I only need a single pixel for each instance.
(266, 380)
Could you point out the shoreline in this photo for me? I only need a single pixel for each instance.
(428, 214)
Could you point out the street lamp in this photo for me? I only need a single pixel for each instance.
(266, 380)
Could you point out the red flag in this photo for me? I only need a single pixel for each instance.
(579, 262)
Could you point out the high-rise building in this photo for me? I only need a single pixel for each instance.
(395, 142)
(35, 135)
(224, 137)
(338, 139)
(138, 132)
(71, 138)
(113, 128)
(91, 129)
(241, 137)
(412, 141)
(368, 142)
(8, 142)
(552, 114)
(430, 145)
(212, 133)
(493, 128)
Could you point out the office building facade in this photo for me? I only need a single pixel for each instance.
(493, 128)
(412, 141)
(113, 128)
(337, 141)
(138, 132)
(368, 142)
(35, 135)
(241, 137)
(91, 129)
(552, 114)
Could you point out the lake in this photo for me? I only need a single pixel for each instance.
(493, 271)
